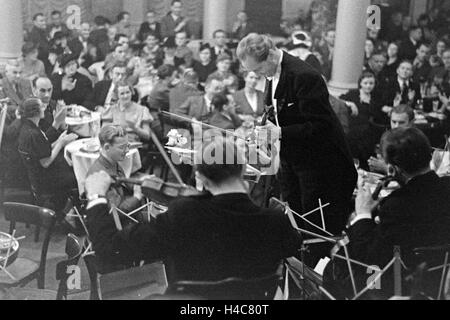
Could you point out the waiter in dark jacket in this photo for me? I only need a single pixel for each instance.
(315, 159)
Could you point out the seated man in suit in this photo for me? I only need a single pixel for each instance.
(209, 237)
(15, 88)
(200, 108)
(114, 148)
(104, 93)
(188, 87)
(220, 45)
(416, 215)
(402, 90)
(224, 115)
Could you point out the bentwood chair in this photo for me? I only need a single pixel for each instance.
(73, 251)
(25, 270)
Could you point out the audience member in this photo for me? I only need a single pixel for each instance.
(241, 27)
(71, 86)
(326, 50)
(187, 87)
(409, 46)
(134, 118)
(173, 22)
(32, 67)
(149, 26)
(421, 66)
(205, 65)
(220, 44)
(56, 24)
(224, 115)
(123, 25)
(250, 101)
(39, 36)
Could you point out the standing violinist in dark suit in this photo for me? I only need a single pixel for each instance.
(315, 159)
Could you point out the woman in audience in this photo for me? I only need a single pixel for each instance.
(360, 124)
(441, 46)
(32, 67)
(250, 101)
(131, 116)
(46, 167)
(205, 66)
(390, 70)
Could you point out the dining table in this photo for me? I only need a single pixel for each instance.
(81, 155)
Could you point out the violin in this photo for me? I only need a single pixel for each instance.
(382, 184)
(161, 192)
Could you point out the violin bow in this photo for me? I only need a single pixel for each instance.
(202, 124)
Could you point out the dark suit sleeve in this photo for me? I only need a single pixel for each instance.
(84, 88)
(92, 99)
(141, 241)
(313, 99)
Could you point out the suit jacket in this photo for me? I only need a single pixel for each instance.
(83, 88)
(180, 94)
(145, 29)
(168, 25)
(243, 106)
(206, 238)
(214, 55)
(393, 88)
(159, 98)
(15, 99)
(312, 137)
(224, 122)
(407, 50)
(194, 107)
(417, 215)
(98, 96)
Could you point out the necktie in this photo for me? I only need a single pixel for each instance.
(269, 90)
(16, 88)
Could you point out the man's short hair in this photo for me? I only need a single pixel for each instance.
(407, 148)
(100, 21)
(30, 108)
(256, 46)
(405, 61)
(219, 31)
(120, 35)
(213, 77)
(122, 15)
(414, 28)
(35, 81)
(165, 71)
(109, 133)
(404, 108)
(230, 164)
(56, 12)
(219, 100)
(37, 15)
(175, 1)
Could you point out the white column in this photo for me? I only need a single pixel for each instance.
(214, 16)
(351, 32)
(11, 29)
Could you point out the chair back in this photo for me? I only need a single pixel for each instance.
(35, 216)
(73, 252)
(133, 284)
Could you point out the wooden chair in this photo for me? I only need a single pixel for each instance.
(136, 283)
(73, 251)
(26, 270)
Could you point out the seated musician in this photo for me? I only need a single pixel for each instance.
(224, 115)
(208, 237)
(114, 148)
(416, 215)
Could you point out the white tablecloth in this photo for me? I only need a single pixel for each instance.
(85, 127)
(82, 161)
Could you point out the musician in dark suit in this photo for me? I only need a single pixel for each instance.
(315, 159)
(416, 215)
(209, 237)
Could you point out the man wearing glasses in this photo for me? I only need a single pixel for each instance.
(114, 148)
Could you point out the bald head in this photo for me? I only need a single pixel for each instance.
(43, 89)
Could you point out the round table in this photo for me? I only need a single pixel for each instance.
(82, 161)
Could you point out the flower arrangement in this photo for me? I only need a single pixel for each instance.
(176, 139)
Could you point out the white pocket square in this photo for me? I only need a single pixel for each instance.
(290, 104)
